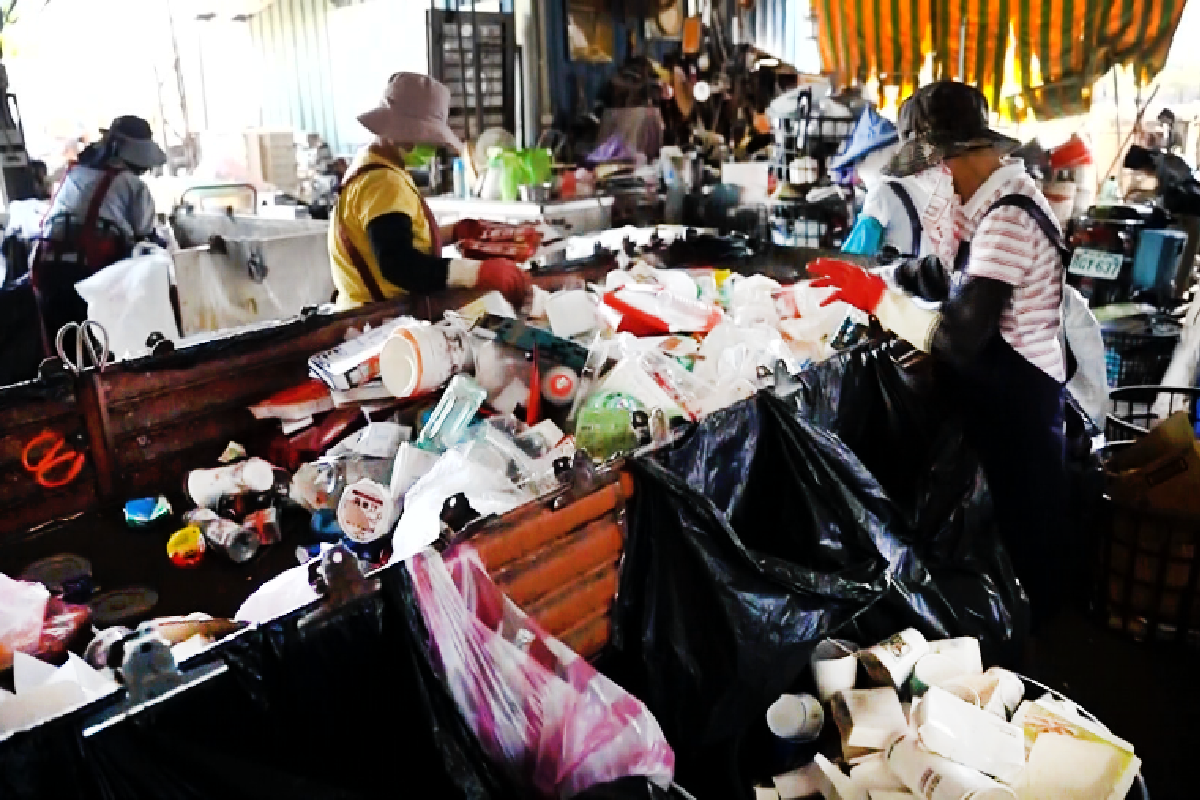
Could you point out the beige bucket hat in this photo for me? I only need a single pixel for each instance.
(414, 110)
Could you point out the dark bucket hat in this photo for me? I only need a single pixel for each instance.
(940, 121)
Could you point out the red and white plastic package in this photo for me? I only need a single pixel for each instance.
(537, 707)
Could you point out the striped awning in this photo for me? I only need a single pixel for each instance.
(1039, 55)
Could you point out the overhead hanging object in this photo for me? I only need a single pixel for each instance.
(1072, 49)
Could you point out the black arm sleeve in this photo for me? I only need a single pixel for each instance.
(391, 238)
(970, 319)
(926, 278)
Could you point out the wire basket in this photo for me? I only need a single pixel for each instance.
(1147, 569)
(1138, 350)
(1134, 410)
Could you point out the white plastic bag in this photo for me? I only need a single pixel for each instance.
(1184, 361)
(132, 299)
(488, 492)
(1089, 385)
(22, 610)
(281, 595)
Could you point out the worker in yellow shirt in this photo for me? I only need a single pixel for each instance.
(383, 239)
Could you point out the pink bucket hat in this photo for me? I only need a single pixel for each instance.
(413, 111)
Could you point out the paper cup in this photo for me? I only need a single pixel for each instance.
(416, 361)
(207, 486)
(933, 669)
(892, 660)
(965, 652)
(835, 667)
(797, 718)
(931, 776)
(1010, 688)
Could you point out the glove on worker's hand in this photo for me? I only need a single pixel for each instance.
(855, 286)
(868, 292)
(506, 277)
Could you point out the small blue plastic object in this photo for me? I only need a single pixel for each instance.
(325, 525)
(145, 512)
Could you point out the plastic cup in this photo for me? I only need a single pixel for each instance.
(416, 361)
(207, 486)
(835, 667)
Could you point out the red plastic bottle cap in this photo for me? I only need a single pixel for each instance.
(559, 385)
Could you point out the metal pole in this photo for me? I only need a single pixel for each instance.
(962, 50)
(478, 70)
(462, 72)
(203, 82)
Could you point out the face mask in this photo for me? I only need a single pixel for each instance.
(940, 212)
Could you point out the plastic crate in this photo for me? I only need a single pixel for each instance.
(1138, 350)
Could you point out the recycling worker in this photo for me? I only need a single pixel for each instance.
(100, 211)
(890, 217)
(383, 239)
(996, 337)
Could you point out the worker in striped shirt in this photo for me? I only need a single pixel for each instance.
(996, 337)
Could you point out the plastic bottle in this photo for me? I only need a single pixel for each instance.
(1110, 192)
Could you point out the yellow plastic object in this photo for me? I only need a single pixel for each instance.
(186, 547)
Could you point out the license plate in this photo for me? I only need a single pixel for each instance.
(1095, 264)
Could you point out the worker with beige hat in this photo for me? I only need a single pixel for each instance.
(383, 239)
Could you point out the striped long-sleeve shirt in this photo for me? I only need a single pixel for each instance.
(1007, 245)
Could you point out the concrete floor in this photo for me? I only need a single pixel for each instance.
(1146, 694)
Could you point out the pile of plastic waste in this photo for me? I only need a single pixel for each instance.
(440, 424)
(917, 718)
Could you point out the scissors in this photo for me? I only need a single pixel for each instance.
(85, 346)
(50, 460)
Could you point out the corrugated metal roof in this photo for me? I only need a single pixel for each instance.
(292, 37)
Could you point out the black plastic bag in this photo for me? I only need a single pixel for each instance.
(345, 707)
(749, 542)
(764, 532)
(885, 404)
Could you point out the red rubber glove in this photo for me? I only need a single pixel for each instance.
(855, 285)
(506, 277)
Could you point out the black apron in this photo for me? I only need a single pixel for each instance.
(1013, 418)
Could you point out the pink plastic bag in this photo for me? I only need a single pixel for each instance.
(536, 706)
(22, 609)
